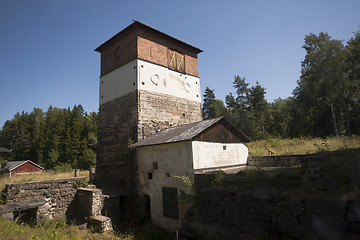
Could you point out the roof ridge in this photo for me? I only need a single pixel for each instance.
(150, 27)
(178, 133)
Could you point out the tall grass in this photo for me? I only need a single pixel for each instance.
(53, 229)
(302, 145)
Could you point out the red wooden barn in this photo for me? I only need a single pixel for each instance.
(23, 167)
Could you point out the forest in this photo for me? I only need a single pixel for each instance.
(326, 102)
(59, 139)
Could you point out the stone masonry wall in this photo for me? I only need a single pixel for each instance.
(233, 213)
(282, 160)
(89, 202)
(117, 126)
(160, 111)
(58, 194)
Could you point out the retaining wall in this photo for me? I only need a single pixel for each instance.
(282, 160)
(58, 194)
(233, 213)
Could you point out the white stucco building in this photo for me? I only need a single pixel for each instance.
(181, 151)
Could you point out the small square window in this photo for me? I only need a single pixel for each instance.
(224, 147)
(150, 176)
(167, 174)
(155, 165)
(117, 54)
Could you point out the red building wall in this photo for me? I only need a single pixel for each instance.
(27, 167)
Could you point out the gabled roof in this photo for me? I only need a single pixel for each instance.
(135, 22)
(2, 149)
(186, 132)
(15, 164)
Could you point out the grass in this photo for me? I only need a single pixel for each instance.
(302, 145)
(49, 175)
(58, 229)
(51, 229)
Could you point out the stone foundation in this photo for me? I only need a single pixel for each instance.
(283, 160)
(101, 224)
(58, 194)
(233, 213)
(89, 202)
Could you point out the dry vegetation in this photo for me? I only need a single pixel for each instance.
(302, 145)
(48, 175)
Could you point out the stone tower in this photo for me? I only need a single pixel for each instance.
(149, 81)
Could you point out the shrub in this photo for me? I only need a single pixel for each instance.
(66, 167)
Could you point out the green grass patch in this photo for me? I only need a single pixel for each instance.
(295, 146)
(55, 229)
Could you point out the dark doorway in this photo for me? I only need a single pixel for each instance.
(147, 208)
(122, 208)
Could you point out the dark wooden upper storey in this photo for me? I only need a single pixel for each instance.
(144, 42)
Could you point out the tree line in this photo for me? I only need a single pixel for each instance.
(326, 101)
(55, 139)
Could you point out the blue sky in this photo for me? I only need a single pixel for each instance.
(47, 57)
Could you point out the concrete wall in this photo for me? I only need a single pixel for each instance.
(173, 159)
(210, 155)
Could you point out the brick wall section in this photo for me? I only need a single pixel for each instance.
(57, 193)
(159, 111)
(147, 44)
(128, 52)
(152, 51)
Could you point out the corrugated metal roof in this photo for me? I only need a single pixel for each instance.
(145, 25)
(11, 165)
(3, 149)
(178, 134)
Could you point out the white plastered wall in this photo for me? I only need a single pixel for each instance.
(159, 79)
(212, 155)
(174, 159)
(119, 82)
(143, 75)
